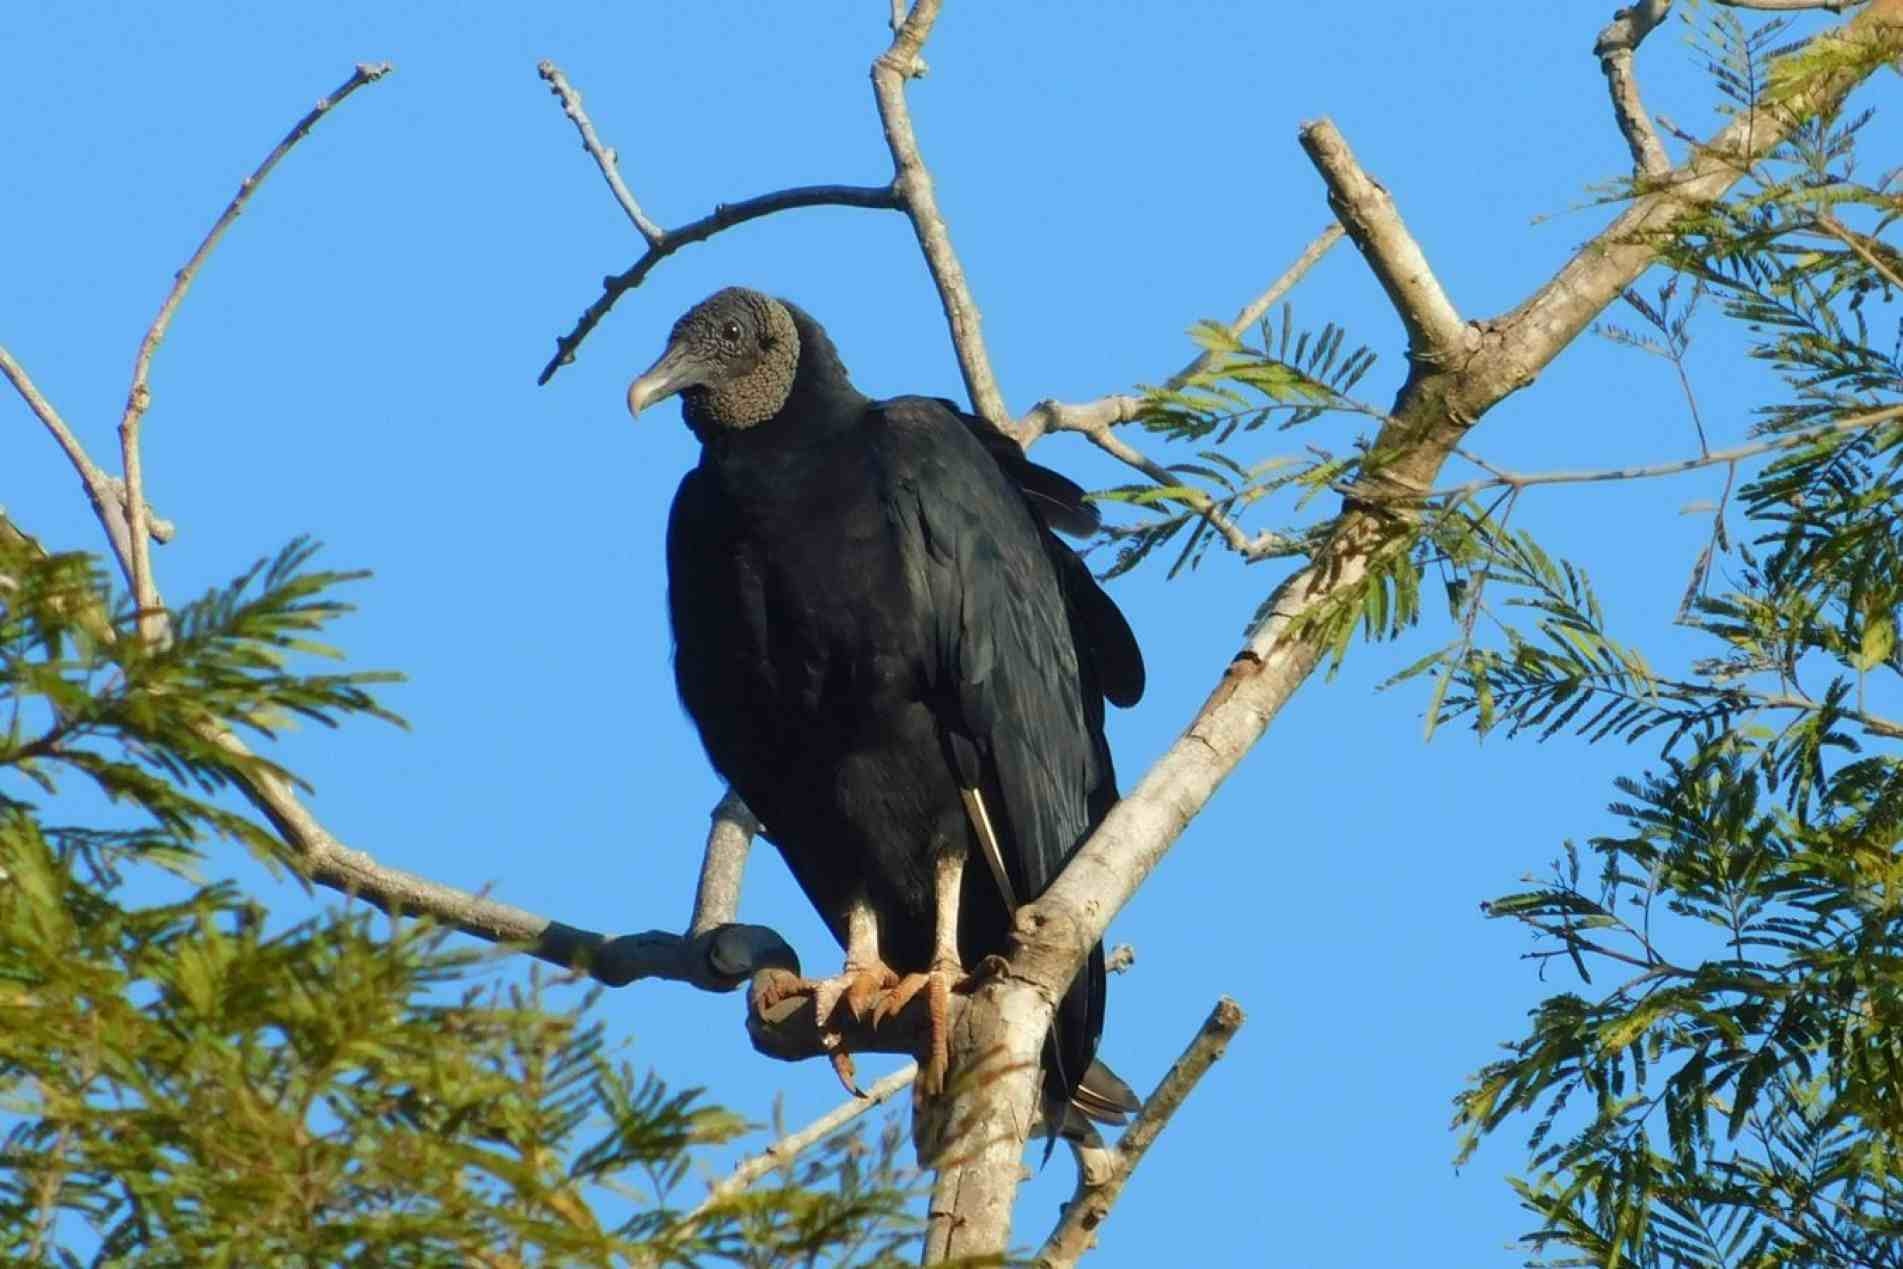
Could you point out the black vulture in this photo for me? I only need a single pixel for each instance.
(893, 660)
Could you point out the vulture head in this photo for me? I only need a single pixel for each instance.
(732, 359)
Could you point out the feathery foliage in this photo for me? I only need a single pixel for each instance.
(1289, 379)
(180, 1084)
(1726, 1086)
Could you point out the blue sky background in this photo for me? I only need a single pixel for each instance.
(358, 363)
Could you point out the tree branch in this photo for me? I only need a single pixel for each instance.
(1436, 334)
(1615, 48)
(913, 181)
(1503, 479)
(102, 490)
(794, 1144)
(1792, 6)
(1096, 419)
(1457, 374)
(724, 216)
(1434, 410)
(603, 155)
(1076, 1231)
(139, 398)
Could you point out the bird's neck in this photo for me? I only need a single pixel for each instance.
(821, 409)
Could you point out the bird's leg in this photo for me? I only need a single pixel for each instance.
(866, 973)
(946, 972)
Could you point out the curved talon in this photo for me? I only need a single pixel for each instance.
(938, 984)
(848, 1074)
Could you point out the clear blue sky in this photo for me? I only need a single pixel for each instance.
(358, 363)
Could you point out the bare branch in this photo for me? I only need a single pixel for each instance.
(1076, 1231)
(1501, 478)
(913, 181)
(1436, 333)
(1615, 48)
(724, 216)
(1093, 417)
(139, 398)
(603, 155)
(794, 1144)
(102, 489)
(1792, 6)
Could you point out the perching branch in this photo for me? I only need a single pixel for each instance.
(1615, 48)
(139, 399)
(1076, 1231)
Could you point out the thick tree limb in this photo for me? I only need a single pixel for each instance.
(1615, 48)
(1458, 373)
(139, 399)
(1076, 1231)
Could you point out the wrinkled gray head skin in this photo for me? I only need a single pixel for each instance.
(732, 359)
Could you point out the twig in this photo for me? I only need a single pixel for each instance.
(1092, 417)
(1500, 477)
(1615, 48)
(1436, 334)
(1842, 233)
(1792, 6)
(139, 398)
(107, 500)
(913, 181)
(603, 155)
(1096, 419)
(794, 1144)
(1076, 1231)
(724, 216)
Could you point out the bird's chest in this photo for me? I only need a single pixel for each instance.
(836, 635)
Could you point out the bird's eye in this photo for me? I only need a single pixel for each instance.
(730, 331)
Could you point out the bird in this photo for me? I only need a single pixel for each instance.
(895, 662)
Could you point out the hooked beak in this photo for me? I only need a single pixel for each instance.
(675, 370)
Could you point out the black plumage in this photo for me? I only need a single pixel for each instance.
(889, 654)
